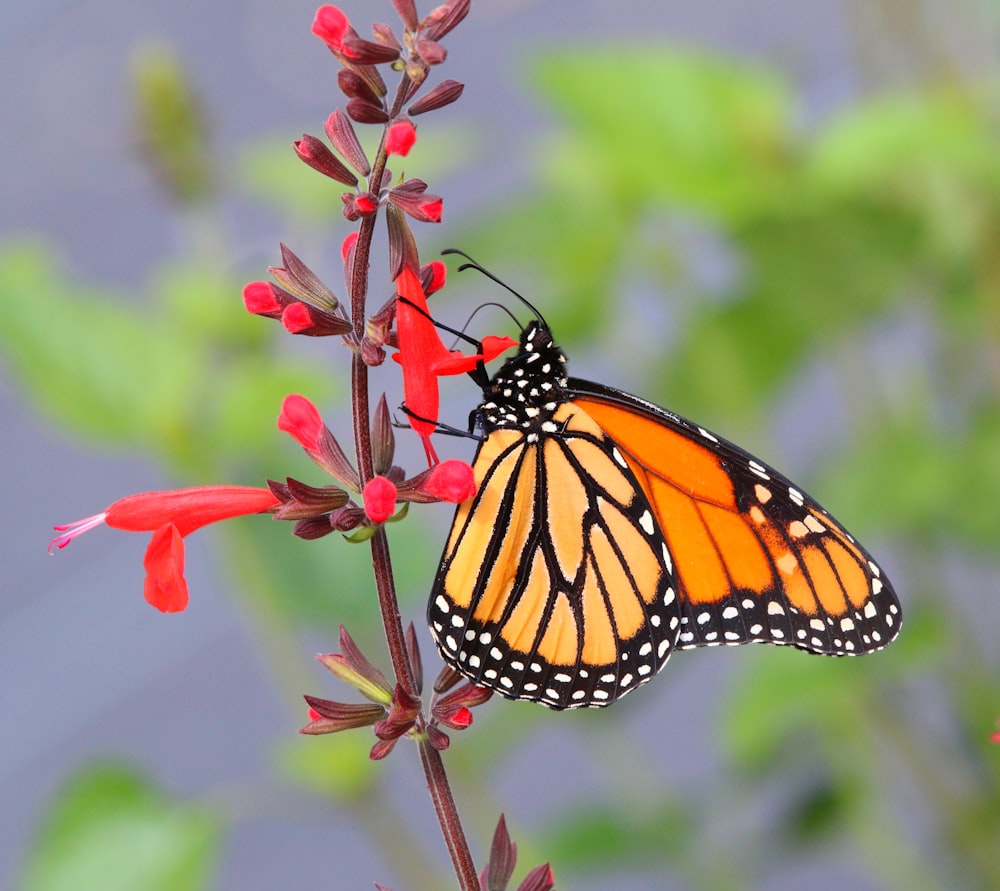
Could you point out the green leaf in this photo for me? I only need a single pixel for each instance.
(111, 830)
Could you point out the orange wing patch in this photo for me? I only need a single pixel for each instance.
(755, 559)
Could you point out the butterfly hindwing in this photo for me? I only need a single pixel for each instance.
(756, 559)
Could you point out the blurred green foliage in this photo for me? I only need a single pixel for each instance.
(110, 829)
(836, 240)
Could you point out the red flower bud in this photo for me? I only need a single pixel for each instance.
(365, 112)
(445, 17)
(319, 157)
(433, 276)
(437, 738)
(379, 496)
(260, 299)
(443, 94)
(331, 26)
(357, 206)
(301, 420)
(430, 51)
(411, 198)
(451, 480)
(400, 137)
(539, 879)
(301, 318)
(340, 132)
(407, 11)
(365, 52)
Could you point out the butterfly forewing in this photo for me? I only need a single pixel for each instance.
(756, 559)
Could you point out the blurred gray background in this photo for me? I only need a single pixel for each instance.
(87, 669)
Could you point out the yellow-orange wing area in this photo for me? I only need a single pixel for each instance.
(554, 585)
(755, 559)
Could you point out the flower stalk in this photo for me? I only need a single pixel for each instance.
(369, 491)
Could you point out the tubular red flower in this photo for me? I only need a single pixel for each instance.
(424, 357)
(187, 509)
(379, 496)
(400, 138)
(420, 346)
(170, 516)
(456, 363)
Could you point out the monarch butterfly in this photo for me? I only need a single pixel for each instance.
(607, 532)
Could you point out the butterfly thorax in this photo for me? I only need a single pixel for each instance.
(528, 388)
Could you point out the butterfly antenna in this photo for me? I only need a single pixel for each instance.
(472, 264)
(495, 305)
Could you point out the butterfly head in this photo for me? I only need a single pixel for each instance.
(528, 387)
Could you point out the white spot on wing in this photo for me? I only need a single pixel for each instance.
(646, 521)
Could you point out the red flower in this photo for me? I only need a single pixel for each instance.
(411, 197)
(400, 138)
(420, 346)
(170, 516)
(424, 357)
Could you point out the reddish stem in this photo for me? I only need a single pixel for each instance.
(434, 772)
(447, 814)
